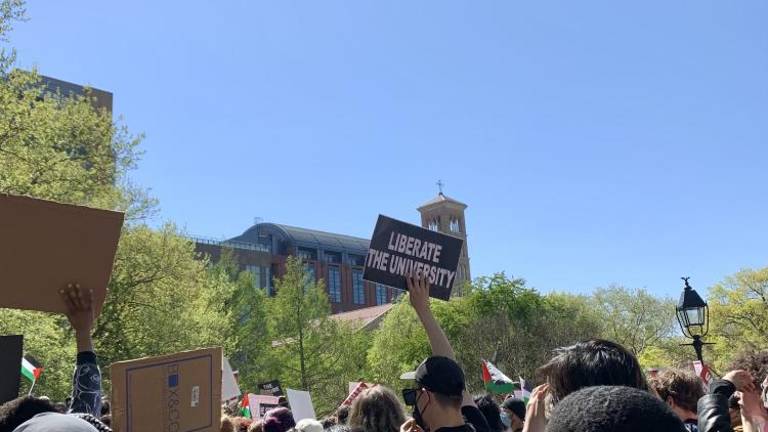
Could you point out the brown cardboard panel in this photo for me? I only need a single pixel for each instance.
(46, 245)
(178, 392)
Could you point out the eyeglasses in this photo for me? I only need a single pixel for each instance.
(410, 395)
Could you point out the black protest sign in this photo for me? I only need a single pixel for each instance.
(264, 408)
(399, 249)
(10, 367)
(271, 388)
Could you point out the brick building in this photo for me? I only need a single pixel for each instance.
(338, 259)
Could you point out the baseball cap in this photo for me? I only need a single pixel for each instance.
(439, 375)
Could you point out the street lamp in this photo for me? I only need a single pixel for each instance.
(693, 316)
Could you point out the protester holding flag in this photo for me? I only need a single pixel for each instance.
(30, 414)
(440, 401)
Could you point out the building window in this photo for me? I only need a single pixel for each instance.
(309, 269)
(358, 287)
(454, 227)
(268, 280)
(307, 254)
(356, 260)
(381, 294)
(255, 271)
(333, 257)
(434, 225)
(334, 284)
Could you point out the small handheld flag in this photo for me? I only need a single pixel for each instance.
(30, 368)
(495, 381)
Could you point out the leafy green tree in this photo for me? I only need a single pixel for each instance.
(634, 318)
(311, 350)
(739, 315)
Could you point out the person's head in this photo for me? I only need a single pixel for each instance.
(438, 393)
(681, 390)
(256, 426)
(278, 420)
(329, 422)
(515, 410)
(342, 414)
(241, 424)
(491, 411)
(613, 409)
(376, 410)
(594, 362)
(17, 411)
(309, 425)
(756, 363)
(226, 424)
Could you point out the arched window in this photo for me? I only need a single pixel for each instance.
(454, 226)
(434, 225)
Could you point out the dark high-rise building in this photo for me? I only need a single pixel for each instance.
(99, 98)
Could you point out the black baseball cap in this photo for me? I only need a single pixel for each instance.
(439, 375)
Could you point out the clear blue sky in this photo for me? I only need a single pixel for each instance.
(595, 142)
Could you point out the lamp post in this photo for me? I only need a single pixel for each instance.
(693, 316)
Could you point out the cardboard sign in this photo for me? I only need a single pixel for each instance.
(229, 388)
(271, 388)
(260, 404)
(10, 367)
(301, 405)
(355, 392)
(703, 372)
(399, 249)
(46, 245)
(178, 392)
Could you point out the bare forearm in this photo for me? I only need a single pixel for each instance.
(84, 341)
(437, 338)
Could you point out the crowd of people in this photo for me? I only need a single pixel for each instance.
(591, 386)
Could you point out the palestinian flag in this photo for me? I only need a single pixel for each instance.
(523, 392)
(245, 410)
(30, 368)
(495, 381)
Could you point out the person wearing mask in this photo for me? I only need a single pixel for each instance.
(514, 409)
(440, 401)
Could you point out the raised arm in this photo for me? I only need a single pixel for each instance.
(418, 289)
(86, 383)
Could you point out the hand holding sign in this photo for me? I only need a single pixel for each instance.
(418, 288)
(79, 304)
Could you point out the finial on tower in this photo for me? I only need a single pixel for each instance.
(440, 185)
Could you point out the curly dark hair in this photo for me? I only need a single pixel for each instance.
(17, 411)
(683, 387)
(491, 411)
(594, 362)
(753, 362)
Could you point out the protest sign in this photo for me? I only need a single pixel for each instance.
(301, 405)
(10, 367)
(399, 249)
(703, 372)
(271, 388)
(260, 404)
(229, 388)
(178, 392)
(47, 245)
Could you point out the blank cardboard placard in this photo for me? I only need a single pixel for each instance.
(46, 245)
(229, 388)
(301, 405)
(11, 350)
(178, 392)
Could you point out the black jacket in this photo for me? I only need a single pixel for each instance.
(712, 409)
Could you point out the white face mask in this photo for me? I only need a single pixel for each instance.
(506, 420)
